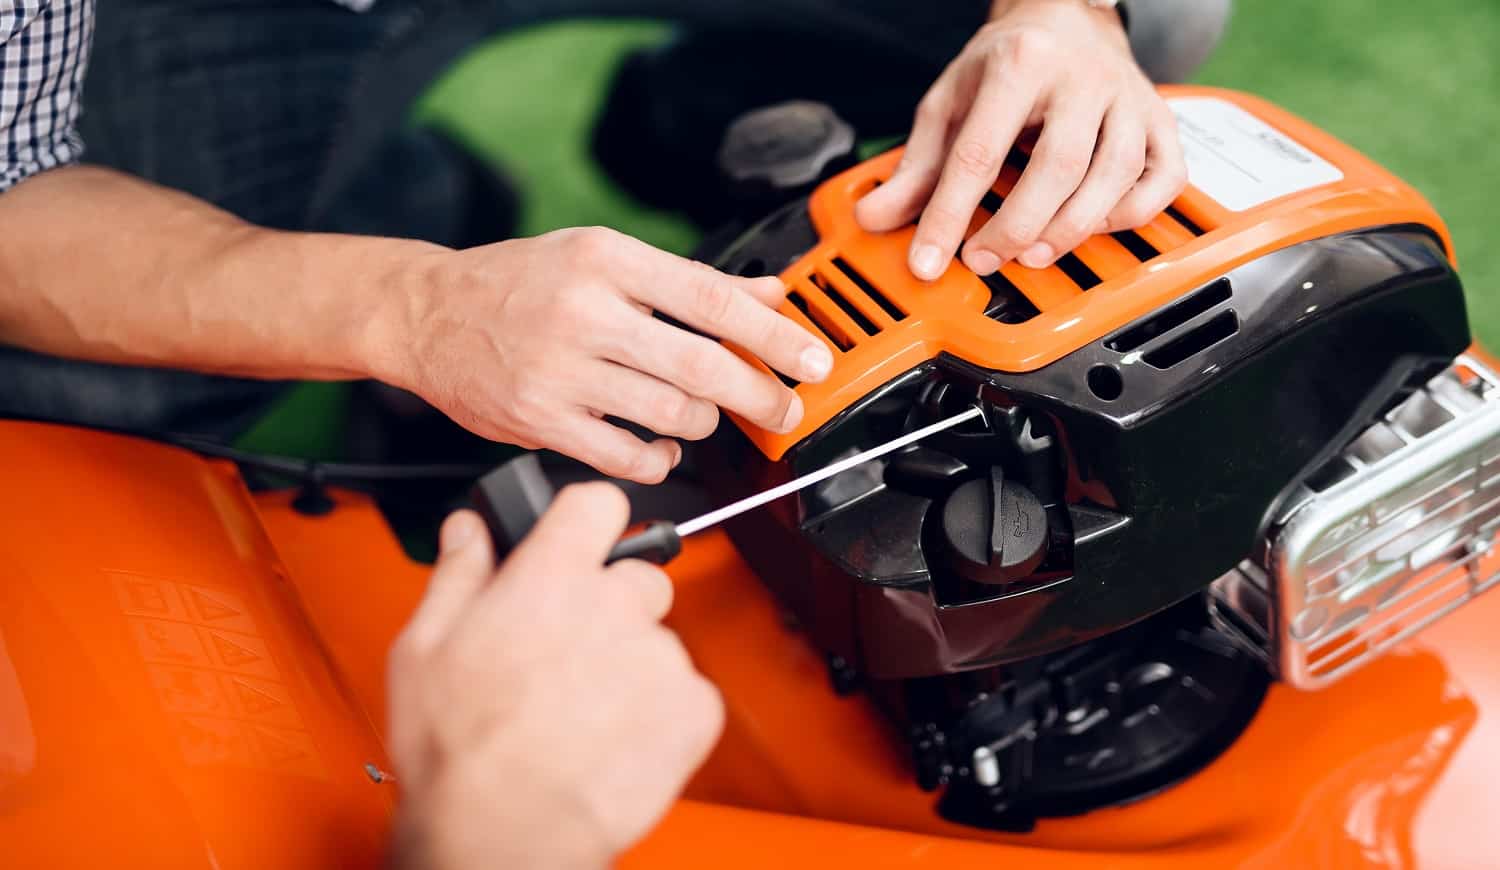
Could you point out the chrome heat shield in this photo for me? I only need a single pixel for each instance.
(1395, 533)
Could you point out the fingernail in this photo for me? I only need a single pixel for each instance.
(1038, 256)
(676, 454)
(981, 261)
(927, 261)
(817, 362)
(793, 414)
(457, 533)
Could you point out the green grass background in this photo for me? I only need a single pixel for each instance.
(1416, 85)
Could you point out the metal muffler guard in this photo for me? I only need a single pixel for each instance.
(1395, 533)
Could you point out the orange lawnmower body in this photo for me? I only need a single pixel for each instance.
(192, 676)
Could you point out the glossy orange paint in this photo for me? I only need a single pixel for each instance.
(165, 700)
(1346, 777)
(191, 676)
(946, 315)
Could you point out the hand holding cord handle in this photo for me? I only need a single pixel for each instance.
(514, 496)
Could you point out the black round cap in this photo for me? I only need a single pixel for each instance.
(785, 146)
(993, 530)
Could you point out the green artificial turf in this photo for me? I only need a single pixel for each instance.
(1412, 84)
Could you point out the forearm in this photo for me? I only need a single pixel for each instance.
(101, 266)
(1001, 7)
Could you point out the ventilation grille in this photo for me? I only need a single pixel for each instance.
(1007, 303)
(842, 305)
(836, 299)
(1181, 330)
(1018, 293)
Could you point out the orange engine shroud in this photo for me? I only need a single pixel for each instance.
(946, 315)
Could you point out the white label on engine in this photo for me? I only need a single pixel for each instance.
(1238, 159)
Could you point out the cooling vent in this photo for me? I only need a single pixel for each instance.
(1018, 294)
(842, 304)
(832, 293)
(1181, 330)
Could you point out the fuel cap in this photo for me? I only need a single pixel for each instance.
(785, 147)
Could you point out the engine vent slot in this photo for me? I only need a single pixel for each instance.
(1007, 303)
(825, 325)
(886, 304)
(1074, 268)
(1138, 247)
(1069, 264)
(1173, 316)
(865, 324)
(1172, 212)
(1197, 340)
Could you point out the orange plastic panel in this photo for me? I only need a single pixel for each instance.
(164, 701)
(360, 598)
(190, 677)
(946, 315)
(1106, 257)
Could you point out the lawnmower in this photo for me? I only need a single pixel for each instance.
(1168, 593)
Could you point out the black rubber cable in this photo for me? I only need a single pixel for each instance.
(295, 468)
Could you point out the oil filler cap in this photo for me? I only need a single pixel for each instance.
(993, 530)
(785, 148)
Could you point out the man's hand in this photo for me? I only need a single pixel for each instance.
(1107, 157)
(541, 716)
(533, 341)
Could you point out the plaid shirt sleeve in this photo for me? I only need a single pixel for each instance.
(43, 52)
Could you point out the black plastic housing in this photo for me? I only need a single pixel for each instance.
(1180, 434)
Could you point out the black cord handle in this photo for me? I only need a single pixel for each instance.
(514, 496)
(658, 543)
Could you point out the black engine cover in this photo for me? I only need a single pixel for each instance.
(1177, 437)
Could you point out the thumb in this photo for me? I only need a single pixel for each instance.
(574, 536)
(465, 564)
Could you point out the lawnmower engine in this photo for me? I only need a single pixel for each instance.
(1238, 443)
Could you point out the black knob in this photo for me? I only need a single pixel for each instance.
(993, 530)
(920, 471)
(785, 148)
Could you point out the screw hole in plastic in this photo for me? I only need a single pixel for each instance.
(1106, 383)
